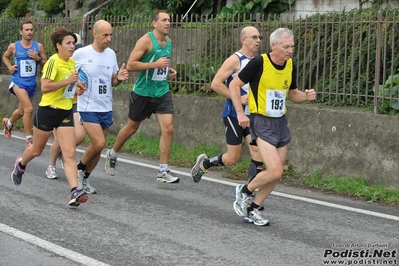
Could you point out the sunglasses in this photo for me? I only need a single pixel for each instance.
(255, 37)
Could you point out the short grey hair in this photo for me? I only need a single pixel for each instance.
(276, 35)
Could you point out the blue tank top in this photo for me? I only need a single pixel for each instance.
(228, 109)
(27, 67)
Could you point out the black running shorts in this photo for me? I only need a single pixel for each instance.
(142, 107)
(234, 133)
(47, 118)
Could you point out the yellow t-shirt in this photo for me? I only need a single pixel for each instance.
(57, 69)
(269, 98)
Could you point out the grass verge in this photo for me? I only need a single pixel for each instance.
(346, 186)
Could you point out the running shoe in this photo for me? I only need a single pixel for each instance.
(256, 218)
(198, 170)
(29, 142)
(51, 172)
(7, 128)
(110, 163)
(87, 187)
(16, 175)
(77, 197)
(242, 202)
(61, 158)
(167, 177)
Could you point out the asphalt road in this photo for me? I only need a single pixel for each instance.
(133, 220)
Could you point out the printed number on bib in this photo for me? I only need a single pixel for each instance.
(69, 91)
(160, 73)
(101, 89)
(275, 103)
(27, 68)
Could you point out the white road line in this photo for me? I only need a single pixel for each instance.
(69, 254)
(74, 256)
(280, 194)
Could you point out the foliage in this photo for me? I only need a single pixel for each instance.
(46, 39)
(201, 7)
(342, 67)
(253, 7)
(390, 89)
(4, 4)
(381, 3)
(52, 6)
(194, 77)
(17, 8)
(9, 32)
(127, 8)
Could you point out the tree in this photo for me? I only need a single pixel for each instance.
(4, 4)
(17, 8)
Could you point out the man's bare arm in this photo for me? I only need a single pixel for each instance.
(229, 66)
(7, 58)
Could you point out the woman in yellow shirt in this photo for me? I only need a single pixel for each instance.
(59, 84)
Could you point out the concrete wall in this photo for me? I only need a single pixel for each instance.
(333, 141)
(309, 8)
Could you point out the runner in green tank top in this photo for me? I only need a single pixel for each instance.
(152, 82)
(151, 95)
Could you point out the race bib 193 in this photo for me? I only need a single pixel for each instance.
(275, 103)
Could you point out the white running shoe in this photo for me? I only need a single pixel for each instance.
(110, 163)
(87, 187)
(167, 177)
(256, 218)
(242, 202)
(51, 172)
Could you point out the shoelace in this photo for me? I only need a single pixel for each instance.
(256, 215)
(52, 169)
(246, 200)
(112, 163)
(167, 174)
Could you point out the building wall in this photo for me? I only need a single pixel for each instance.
(308, 8)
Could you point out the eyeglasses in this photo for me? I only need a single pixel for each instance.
(255, 37)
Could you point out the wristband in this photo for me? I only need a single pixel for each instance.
(118, 79)
(40, 59)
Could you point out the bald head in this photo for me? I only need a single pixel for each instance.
(248, 31)
(102, 32)
(101, 25)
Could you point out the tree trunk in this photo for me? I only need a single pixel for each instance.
(219, 6)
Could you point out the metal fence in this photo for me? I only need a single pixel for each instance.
(344, 56)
